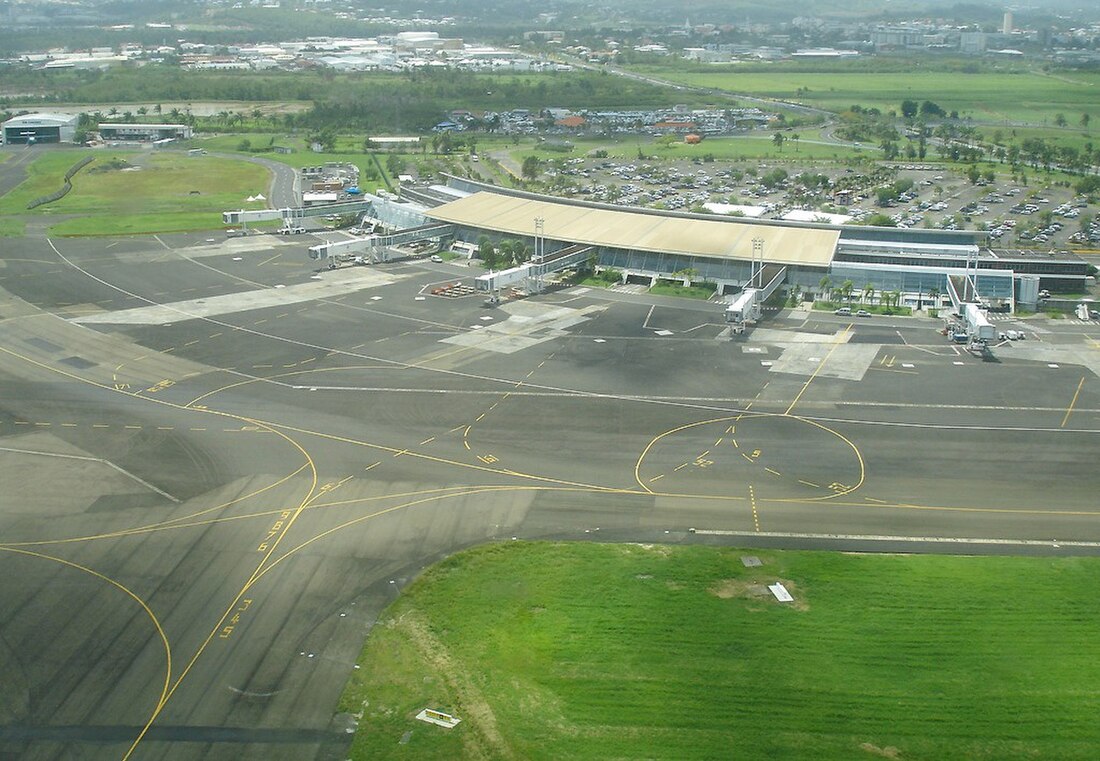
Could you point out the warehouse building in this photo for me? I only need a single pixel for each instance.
(29, 129)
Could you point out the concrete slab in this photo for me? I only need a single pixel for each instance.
(847, 362)
(338, 283)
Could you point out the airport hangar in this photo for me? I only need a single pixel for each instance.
(647, 244)
(145, 132)
(40, 128)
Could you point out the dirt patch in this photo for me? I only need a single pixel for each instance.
(800, 601)
(658, 549)
(485, 741)
(114, 165)
(755, 589)
(888, 752)
(727, 589)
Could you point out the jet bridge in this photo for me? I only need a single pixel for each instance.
(294, 214)
(378, 248)
(748, 306)
(532, 273)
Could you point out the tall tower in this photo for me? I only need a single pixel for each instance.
(1006, 27)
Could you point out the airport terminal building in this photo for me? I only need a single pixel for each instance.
(646, 244)
(30, 129)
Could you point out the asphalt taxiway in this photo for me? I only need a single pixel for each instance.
(220, 464)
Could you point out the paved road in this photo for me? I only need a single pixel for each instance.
(207, 504)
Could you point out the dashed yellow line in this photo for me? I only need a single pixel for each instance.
(755, 514)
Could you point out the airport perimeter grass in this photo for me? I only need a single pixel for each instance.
(589, 651)
(162, 192)
(1024, 97)
(12, 228)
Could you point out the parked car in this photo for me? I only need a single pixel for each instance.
(863, 313)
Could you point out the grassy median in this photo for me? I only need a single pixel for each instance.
(586, 651)
(135, 192)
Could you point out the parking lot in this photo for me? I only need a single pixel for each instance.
(1017, 215)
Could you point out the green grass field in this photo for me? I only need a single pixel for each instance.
(349, 150)
(990, 97)
(164, 192)
(11, 228)
(587, 651)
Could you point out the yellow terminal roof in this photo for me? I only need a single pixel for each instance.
(640, 231)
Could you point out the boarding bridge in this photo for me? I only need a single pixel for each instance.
(376, 249)
(294, 214)
(978, 326)
(533, 273)
(961, 291)
(385, 211)
(745, 307)
(770, 277)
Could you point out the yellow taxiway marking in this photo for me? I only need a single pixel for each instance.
(1073, 402)
(755, 514)
(817, 370)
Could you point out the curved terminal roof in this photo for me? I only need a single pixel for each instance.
(640, 231)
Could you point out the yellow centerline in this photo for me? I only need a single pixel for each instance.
(1073, 402)
(817, 369)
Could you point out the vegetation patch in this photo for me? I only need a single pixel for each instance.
(172, 192)
(11, 227)
(702, 291)
(579, 651)
(112, 165)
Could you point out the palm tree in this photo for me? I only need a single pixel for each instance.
(869, 293)
(825, 283)
(846, 288)
(934, 295)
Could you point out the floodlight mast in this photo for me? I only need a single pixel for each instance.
(757, 270)
(540, 246)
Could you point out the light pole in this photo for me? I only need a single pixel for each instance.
(536, 260)
(757, 251)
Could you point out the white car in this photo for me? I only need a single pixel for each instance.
(437, 258)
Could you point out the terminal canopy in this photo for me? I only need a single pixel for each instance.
(639, 230)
